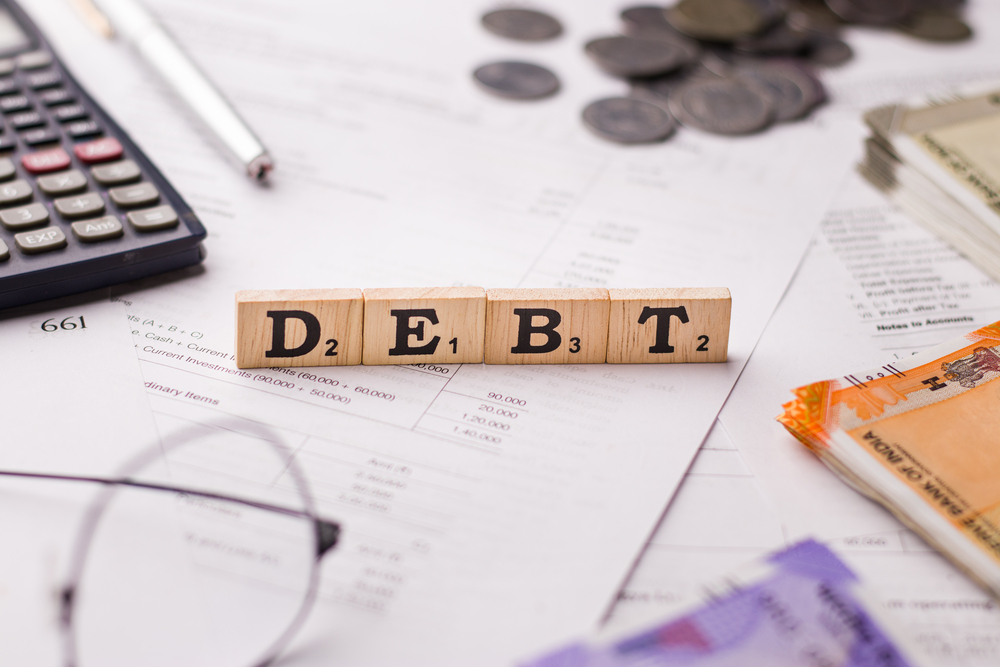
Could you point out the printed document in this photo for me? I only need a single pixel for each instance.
(487, 511)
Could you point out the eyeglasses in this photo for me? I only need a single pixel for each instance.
(203, 549)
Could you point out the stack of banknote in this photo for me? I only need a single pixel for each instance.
(939, 160)
(921, 437)
(800, 606)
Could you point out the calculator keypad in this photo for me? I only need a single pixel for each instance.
(43, 240)
(99, 229)
(24, 217)
(63, 183)
(58, 200)
(80, 206)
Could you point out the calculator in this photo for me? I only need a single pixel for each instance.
(81, 207)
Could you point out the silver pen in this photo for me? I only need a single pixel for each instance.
(131, 21)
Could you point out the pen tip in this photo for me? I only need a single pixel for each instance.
(260, 167)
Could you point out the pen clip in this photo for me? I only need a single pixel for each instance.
(93, 17)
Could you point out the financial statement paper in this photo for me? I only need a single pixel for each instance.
(487, 511)
(753, 488)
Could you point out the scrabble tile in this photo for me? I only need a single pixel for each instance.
(546, 326)
(441, 325)
(658, 326)
(320, 327)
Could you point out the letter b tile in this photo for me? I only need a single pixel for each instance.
(662, 326)
(440, 325)
(277, 328)
(546, 326)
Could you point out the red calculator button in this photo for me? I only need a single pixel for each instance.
(101, 150)
(41, 162)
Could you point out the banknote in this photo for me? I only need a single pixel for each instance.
(921, 436)
(939, 160)
(800, 606)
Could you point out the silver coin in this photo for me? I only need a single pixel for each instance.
(526, 25)
(628, 121)
(722, 106)
(781, 38)
(717, 20)
(871, 12)
(793, 92)
(516, 80)
(829, 50)
(637, 57)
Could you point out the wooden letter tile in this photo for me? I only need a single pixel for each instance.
(320, 327)
(661, 326)
(546, 326)
(439, 325)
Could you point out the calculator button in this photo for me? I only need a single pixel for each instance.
(4, 253)
(6, 66)
(14, 103)
(58, 96)
(8, 143)
(98, 229)
(135, 195)
(153, 219)
(8, 86)
(15, 192)
(80, 206)
(24, 217)
(26, 119)
(45, 135)
(49, 79)
(101, 150)
(62, 183)
(116, 173)
(42, 162)
(42, 240)
(83, 128)
(34, 60)
(70, 112)
(6, 169)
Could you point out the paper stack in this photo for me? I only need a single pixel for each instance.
(920, 437)
(939, 160)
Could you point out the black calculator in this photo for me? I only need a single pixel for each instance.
(81, 207)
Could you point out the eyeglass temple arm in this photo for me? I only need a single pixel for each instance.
(327, 532)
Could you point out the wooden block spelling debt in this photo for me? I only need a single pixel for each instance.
(321, 327)
(441, 325)
(546, 326)
(657, 326)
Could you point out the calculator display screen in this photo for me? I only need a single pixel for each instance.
(11, 35)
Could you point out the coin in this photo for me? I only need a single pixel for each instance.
(628, 121)
(649, 22)
(637, 57)
(526, 25)
(781, 38)
(935, 26)
(871, 12)
(829, 50)
(516, 80)
(716, 20)
(722, 106)
(792, 91)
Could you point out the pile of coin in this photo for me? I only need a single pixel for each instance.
(720, 66)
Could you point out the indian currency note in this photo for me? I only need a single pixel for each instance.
(800, 606)
(921, 436)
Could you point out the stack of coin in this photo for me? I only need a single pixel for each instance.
(720, 66)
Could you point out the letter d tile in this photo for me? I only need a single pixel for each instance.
(547, 326)
(276, 328)
(437, 325)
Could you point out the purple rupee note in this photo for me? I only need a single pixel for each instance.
(800, 607)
